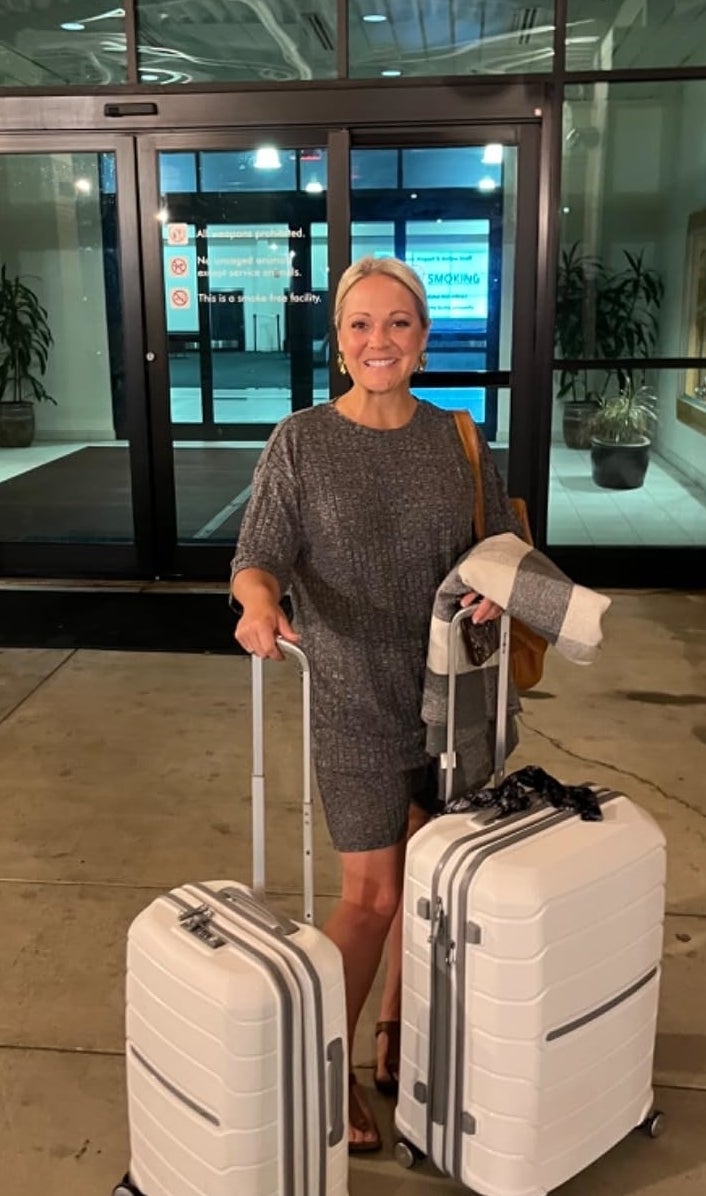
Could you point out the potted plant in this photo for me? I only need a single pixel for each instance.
(604, 313)
(25, 340)
(621, 433)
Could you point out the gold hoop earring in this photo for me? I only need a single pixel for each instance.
(342, 368)
(422, 363)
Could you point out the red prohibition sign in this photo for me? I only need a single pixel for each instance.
(180, 298)
(178, 265)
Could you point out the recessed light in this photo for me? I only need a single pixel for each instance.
(374, 18)
(73, 26)
(267, 158)
(314, 188)
(487, 184)
(493, 155)
(390, 74)
(83, 186)
(413, 195)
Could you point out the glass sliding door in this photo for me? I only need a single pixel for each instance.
(239, 308)
(242, 279)
(450, 211)
(66, 477)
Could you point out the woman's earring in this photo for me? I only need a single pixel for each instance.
(422, 363)
(341, 363)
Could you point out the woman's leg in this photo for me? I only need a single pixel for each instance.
(392, 990)
(359, 925)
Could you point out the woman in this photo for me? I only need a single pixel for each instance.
(359, 509)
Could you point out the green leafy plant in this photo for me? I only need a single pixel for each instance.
(604, 313)
(626, 418)
(25, 340)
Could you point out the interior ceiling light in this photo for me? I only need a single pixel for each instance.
(487, 184)
(390, 74)
(73, 26)
(149, 78)
(314, 188)
(374, 18)
(267, 158)
(493, 155)
(83, 186)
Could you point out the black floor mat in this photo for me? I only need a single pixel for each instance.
(122, 620)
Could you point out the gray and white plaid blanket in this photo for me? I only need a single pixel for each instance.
(528, 586)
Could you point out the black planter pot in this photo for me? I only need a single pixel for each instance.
(619, 466)
(16, 424)
(575, 424)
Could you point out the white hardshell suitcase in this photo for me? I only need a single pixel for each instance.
(237, 1069)
(531, 970)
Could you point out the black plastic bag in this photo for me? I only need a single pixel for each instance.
(523, 788)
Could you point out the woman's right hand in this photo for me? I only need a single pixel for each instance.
(259, 626)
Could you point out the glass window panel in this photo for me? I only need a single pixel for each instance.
(197, 42)
(246, 294)
(633, 203)
(266, 168)
(603, 35)
(461, 241)
(177, 172)
(454, 38)
(313, 168)
(476, 166)
(47, 43)
(372, 169)
(588, 501)
(59, 230)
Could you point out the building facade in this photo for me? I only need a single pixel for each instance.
(181, 185)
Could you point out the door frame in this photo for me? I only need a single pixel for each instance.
(174, 559)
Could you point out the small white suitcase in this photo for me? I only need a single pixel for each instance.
(236, 1052)
(532, 948)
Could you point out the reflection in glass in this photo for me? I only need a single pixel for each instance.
(59, 233)
(456, 38)
(246, 298)
(197, 42)
(458, 234)
(633, 193)
(45, 43)
(596, 501)
(621, 36)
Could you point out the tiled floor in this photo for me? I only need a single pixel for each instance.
(124, 773)
(668, 510)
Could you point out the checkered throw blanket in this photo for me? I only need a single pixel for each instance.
(528, 586)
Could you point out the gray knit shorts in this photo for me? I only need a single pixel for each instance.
(367, 810)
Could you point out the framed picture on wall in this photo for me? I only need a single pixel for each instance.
(691, 405)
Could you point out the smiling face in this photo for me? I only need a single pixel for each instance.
(381, 334)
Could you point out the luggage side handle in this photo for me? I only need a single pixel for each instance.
(501, 708)
(258, 775)
(335, 1056)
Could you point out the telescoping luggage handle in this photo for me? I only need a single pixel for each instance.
(501, 708)
(258, 776)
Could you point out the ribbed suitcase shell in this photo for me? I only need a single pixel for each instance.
(531, 972)
(236, 1057)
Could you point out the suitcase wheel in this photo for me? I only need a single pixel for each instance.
(125, 1188)
(654, 1125)
(406, 1154)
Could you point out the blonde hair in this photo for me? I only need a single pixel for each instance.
(390, 267)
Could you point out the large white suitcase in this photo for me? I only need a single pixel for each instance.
(532, 948)
(236, 1052)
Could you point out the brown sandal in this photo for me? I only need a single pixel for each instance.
(361, 1118)
(389, 1086)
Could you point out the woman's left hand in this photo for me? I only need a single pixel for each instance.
(486, 609)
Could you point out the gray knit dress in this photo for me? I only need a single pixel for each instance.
(360, 526)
